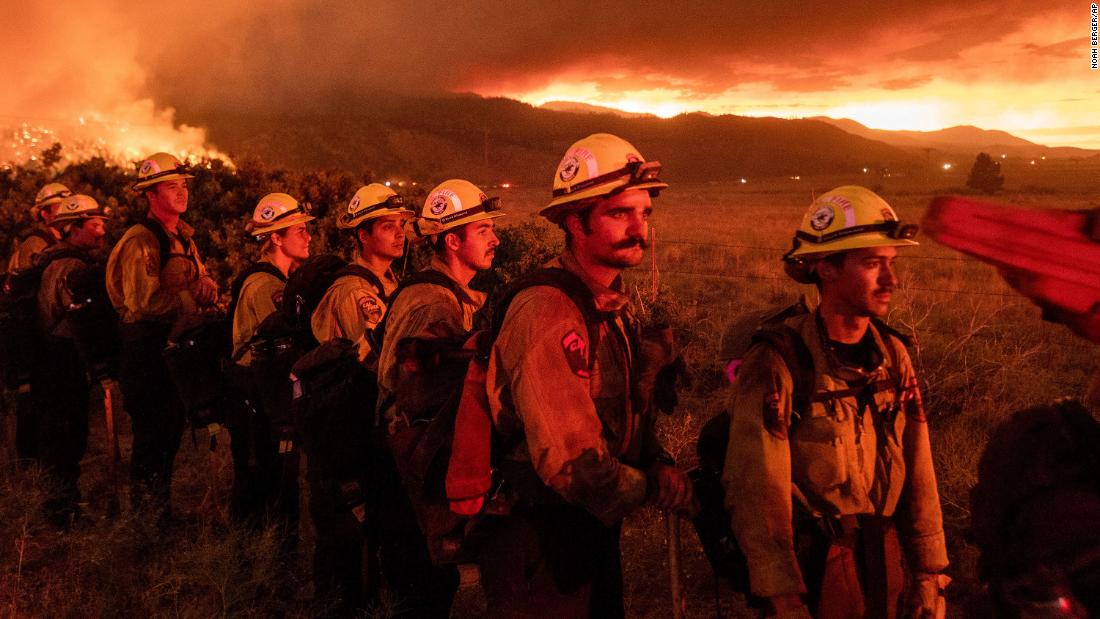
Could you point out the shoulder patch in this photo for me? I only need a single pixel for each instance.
(152, 269)
(576, 353)
(370, 308)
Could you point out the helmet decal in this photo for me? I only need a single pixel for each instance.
(354, 204)
(439, 201)
(149, 167)
(822, 218)
(267, 213)
(569, 168)
(888, 215)
(73, 205)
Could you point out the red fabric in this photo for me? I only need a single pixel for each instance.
(468, 473)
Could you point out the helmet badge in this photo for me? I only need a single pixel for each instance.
(267, 213)
(569, 168)
(439, 204)
(822, 217)
(149, 167)
(353, 205)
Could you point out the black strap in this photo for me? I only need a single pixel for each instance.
(164, 241)
(574, 288)
(363, 272)
(238, 283)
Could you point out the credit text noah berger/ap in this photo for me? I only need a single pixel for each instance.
(1092, 36)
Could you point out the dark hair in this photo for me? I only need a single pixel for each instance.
(583, 211)
(837, 260)
(441, 238)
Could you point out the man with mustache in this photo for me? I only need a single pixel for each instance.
(573, 420)
(828, 473)
(155, 276)
(432, 311)
(352, 308)
(59, 380)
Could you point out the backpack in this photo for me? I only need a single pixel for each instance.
(238, 283)
(437, 462)
(20, 334)
(93, 319)
(712, 524)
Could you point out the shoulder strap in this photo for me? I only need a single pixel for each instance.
(569, 284)
(886, 332)
(430, 276)
(363, 272)
(40, 233)
(163, 242)
(238, 283)
(788, 344)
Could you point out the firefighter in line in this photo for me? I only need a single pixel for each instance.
(60, 386)
(24, 249)
(155, 276)
(43, 234)
(828, 488)
(264, 489)
(565, 395)
(356, 302)
(435, 310)
(352, 308)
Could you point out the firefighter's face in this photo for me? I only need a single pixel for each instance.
(169, 197)
(386, 237)
(90, 234)
(294, 242)
(863, 284)
(616, 229)
(476, 244)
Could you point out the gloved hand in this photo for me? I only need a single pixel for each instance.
(205, 291)
(928, 600)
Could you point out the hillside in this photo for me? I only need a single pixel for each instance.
(501, 140)
(963, 140)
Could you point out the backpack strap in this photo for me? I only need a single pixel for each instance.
(164, 242)
(785, 341)
(40, 233)
(569, 284)
(238, 283)
(364, 273)
(428, 276)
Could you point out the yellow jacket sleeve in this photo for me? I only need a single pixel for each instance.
(543, 349)
(133, 272)
(757, 473)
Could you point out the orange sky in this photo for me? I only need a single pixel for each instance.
(1017, 65)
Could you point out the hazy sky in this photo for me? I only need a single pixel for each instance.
(1013, 65)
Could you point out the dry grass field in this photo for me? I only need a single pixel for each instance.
(981, 351)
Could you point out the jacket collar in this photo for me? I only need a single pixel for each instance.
(608, 299)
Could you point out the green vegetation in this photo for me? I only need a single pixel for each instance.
(981, 351)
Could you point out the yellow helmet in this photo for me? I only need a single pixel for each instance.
(371, 202)
(79, 207)
(160, 167)
(276, 211)
(451, 204)
(848, 217)
(599, 165)
(49, 195)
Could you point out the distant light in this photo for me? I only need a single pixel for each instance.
(743, 181)
(864, 170)
(414, 183)
(1044, 157)
(401, 183)
(796, 178)
(387, 183)
(1003, 156)
(506, 185)
(947, 166)
(1032, 162)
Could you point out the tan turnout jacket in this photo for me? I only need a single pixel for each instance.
(577, 427)
(351, 307)
(826, 462)
(141, 288)
(261, 293)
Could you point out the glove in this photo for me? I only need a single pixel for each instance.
(929, 602)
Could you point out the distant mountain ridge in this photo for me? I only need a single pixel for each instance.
(493, 140)
(961, 139)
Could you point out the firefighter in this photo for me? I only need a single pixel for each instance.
(154, 277)
(43, 234)
(351, 309)
(59, 382)
(265, 472)
(433, 310)
(563, 379)
(25, 248)
(829, 486)
(356, 301)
